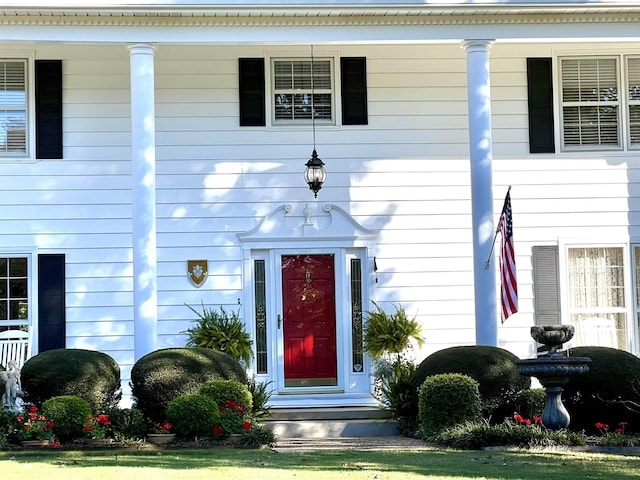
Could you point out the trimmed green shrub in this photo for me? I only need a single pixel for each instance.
(92, 375)
(447, 399)
(530, 402)
(127, 423)
(608, 393)
(222, 391)
(160, 376)
(69, 414)
(493, 368)
(193, 416)
(8, 424)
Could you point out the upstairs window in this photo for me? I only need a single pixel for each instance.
(300, 86)
(590, 103)
(13, 107)
(633, 82)
(594, 114)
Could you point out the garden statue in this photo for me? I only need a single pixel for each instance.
(11, 400)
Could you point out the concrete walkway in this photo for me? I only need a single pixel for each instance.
(296, 445)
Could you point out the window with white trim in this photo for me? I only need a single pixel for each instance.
(597, 305)
(297, 91)
(13, 107)
(14, 292)
(633, 80)
(594, 115)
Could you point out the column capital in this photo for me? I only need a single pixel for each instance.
(141, 48)
(477, 44)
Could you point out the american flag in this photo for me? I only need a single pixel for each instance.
(509, 290)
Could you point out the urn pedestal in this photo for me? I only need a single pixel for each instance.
(553, 370)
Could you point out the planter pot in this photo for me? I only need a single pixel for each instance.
(99, 442)
(34, 443)
(161, 438)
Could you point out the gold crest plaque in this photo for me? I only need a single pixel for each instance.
(197, 271)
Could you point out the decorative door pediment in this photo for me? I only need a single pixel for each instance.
(309, 222)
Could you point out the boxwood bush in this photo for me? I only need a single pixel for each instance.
(608, 393)
(163, 375)
(92, 375)
(222, 391)
(69, 414)
(446, 400)
(493, 368)
(193, 416)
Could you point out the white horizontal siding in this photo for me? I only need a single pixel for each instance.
(406, 174)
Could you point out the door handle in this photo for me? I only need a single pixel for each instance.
(279, 321)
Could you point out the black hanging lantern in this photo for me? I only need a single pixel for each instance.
(315, 174)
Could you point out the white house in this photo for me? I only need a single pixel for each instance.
(139, 140)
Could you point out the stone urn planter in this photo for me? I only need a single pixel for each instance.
(161, 438)
(553, 370)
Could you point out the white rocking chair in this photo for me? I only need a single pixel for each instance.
(14, 345)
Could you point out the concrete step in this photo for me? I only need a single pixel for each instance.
(331, 422)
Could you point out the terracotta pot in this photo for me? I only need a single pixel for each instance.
(161, 438)
(34, 443)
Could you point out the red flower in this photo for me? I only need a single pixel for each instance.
(55, 444)
(27, 427)
(33, 409)
(518, 418)
(601, 425)
(619, 430)
(537, 419)
(231, 403)
(217, 430)
(88, 428)
(526, 421)
(50, 424)
(240, 409)
(246, 425)
(103, 419)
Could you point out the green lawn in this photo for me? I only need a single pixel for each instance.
(234, 464)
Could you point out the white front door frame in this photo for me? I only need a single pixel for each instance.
(331, 231)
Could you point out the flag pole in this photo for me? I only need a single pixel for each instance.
(504, 206)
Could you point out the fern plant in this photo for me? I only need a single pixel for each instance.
(390, 334)
(222, 331)
(387, 337)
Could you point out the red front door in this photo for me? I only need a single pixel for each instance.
(309, 328)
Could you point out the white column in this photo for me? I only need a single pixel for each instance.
(143, 158)
(480, 142)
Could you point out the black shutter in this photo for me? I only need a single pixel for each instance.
(354, 90)
(51, 302)
(540, 93)
(48, 85)
(252, 94)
